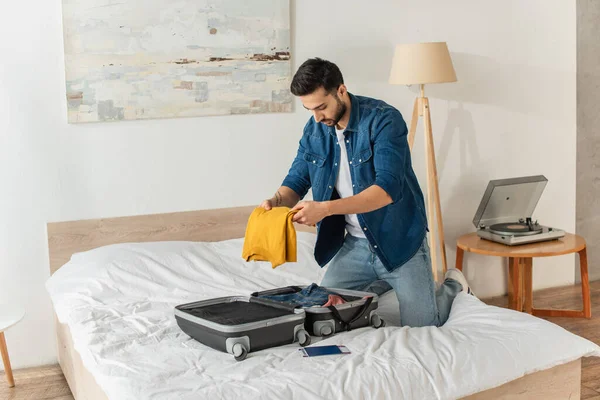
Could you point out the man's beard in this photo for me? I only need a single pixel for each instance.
(341, 110)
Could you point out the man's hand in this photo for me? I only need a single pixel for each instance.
(284, 197)
(311, 212)
(267, 204)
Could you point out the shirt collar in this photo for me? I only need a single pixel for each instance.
(354, 114)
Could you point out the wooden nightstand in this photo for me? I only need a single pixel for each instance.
(9, 316)
(521, 266)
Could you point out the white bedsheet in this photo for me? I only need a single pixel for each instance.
(118, 302)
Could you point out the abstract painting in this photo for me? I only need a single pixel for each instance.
(142, 59)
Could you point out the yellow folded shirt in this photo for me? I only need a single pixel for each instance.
(270, 236)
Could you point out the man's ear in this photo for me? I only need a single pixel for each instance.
(342, 90)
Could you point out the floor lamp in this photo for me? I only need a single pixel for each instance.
(424, 63)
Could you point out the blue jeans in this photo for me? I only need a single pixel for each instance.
(357, 267)
(312, 295)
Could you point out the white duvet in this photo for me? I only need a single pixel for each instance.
(118, 302)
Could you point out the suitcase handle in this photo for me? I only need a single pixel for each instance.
(346, 325)
(271, 303)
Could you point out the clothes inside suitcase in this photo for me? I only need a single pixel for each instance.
(241, 324)
(359, 309)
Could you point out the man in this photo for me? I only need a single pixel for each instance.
(354, 154)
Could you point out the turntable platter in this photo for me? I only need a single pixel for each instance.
(515, 228)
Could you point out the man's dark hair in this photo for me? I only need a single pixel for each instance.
(315, 73)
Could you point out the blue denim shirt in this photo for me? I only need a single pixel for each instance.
(378, 153)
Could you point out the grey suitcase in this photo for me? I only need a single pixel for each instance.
(239, 325)
(360, 310)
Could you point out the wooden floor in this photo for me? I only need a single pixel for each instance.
(40, 383)
(48, 383)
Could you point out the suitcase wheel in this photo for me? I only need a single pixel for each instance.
(325, 331)
(239, 352)
(377, 322)
(303, 338)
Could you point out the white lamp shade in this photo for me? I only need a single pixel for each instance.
(422, 63)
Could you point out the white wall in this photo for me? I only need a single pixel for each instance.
(512, 113)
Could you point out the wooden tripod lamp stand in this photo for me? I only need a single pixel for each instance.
(424, 63)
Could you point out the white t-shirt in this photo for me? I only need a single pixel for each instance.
(343, 185)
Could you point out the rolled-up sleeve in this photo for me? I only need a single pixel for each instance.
(391, 155)
(298, 177)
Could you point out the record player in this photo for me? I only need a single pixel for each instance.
(505, 212)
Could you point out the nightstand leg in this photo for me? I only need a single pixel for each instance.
(511, 295)
(527, 285)
(6, 360)
(586, 312)
(460, 253)
(519, 286)
(585, 284)
(515, 293)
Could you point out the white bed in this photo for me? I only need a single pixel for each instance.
(118, 302)
(115, 308)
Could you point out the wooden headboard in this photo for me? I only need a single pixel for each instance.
(67, 238)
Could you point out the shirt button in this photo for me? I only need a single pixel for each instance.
(365, 229)
(375, 246)
(350, 162)
(352, 185)
(359, 160)
(329, 187)
(335, 164)
(314, 162)
(347, 141)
